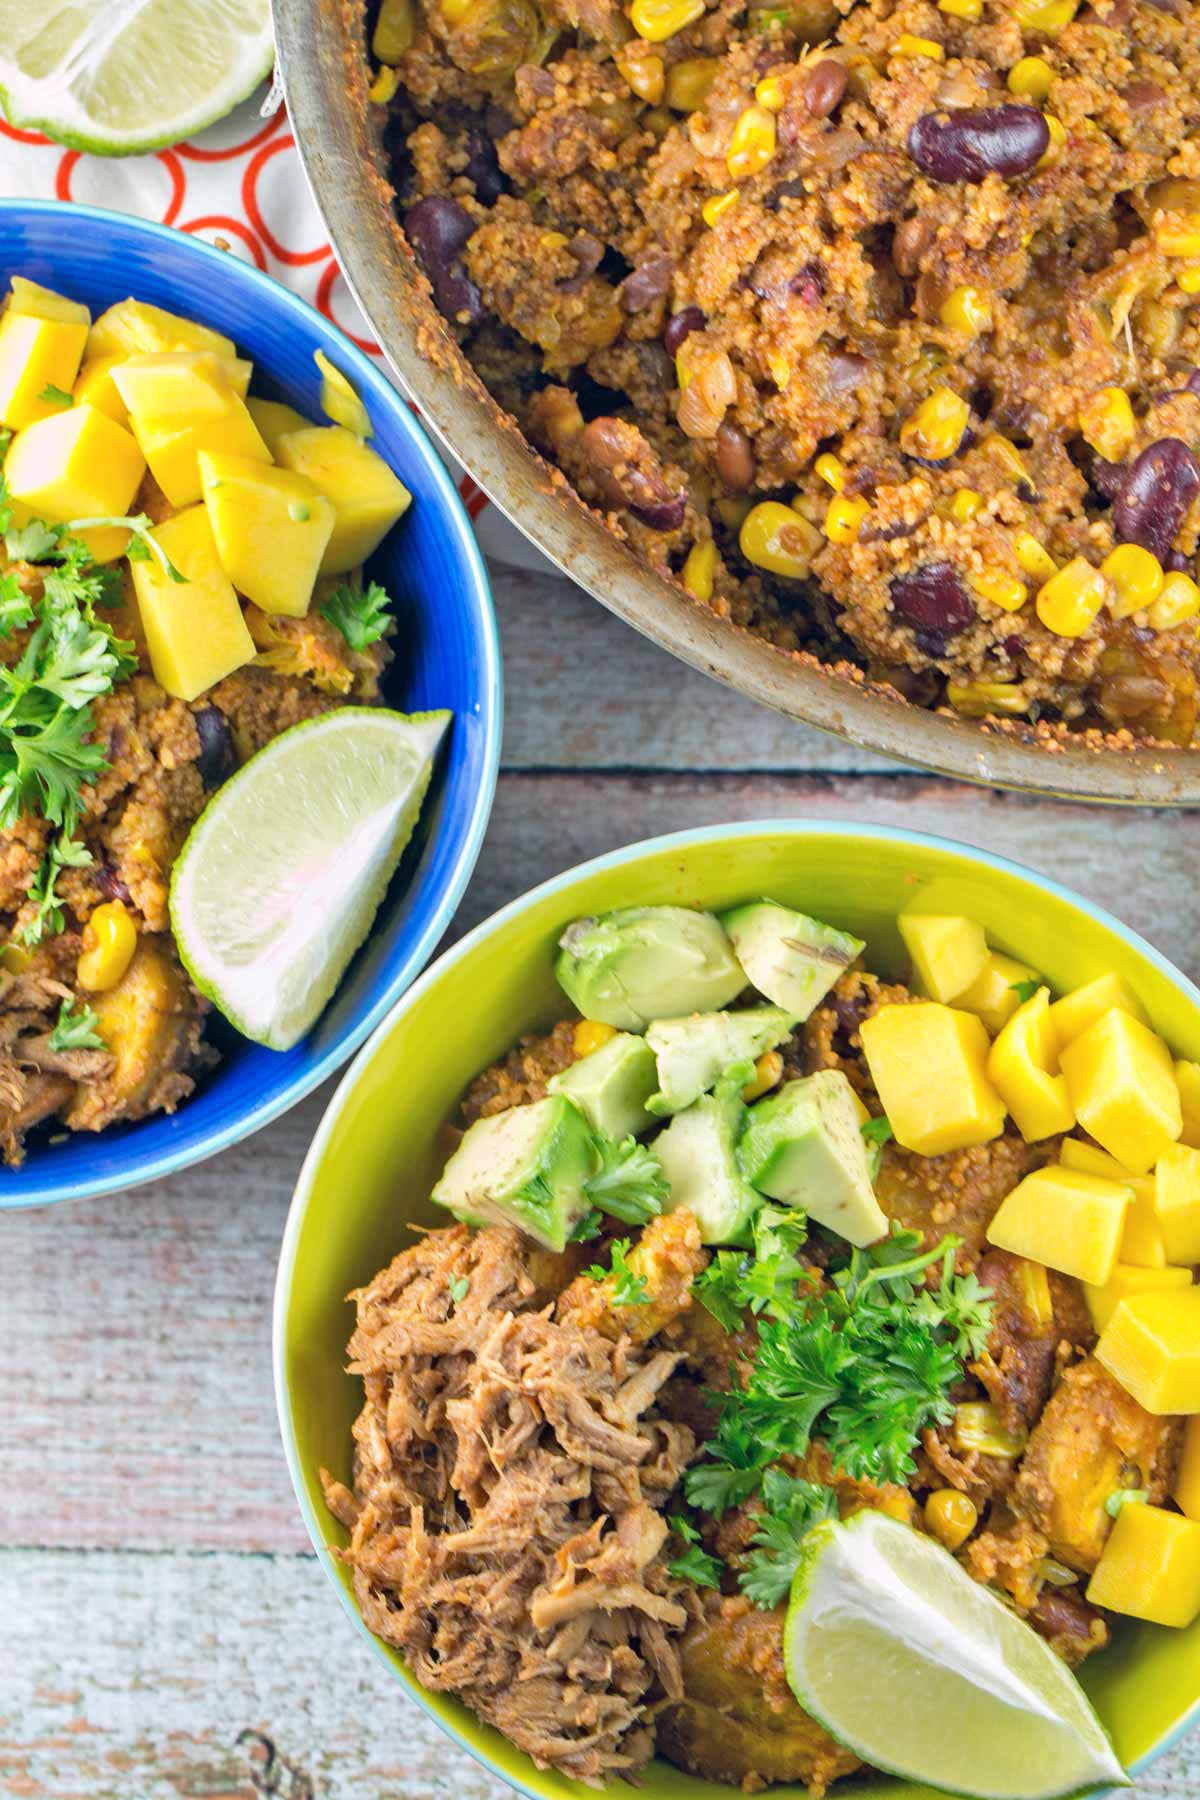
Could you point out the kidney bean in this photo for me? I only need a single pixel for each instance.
(1176, 563)
(681, 325)
(934, 600)
(1193, 382)
(735, 457)
(662, 515)
(978, 141)
(218, 757)
(625, 471)
(846, 370)
(111, 885)
(1158, 489)
(588, 253)
(910, 243)
(1108, 478)
(648, 282)
(438, 229)
(822, 87)
(1140, 96)
(483, 168)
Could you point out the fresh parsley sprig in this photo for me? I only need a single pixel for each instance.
(630, 1183)
(629, 1288)
(361, 614)
(76, 1030)
(695, 1564)
(791, 1508)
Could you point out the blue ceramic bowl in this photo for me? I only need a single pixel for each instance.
(447, 654)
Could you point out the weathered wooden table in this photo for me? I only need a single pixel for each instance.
(165, 1633)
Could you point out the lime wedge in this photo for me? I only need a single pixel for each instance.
(923, 1673)
(119, 76)
(283, 871)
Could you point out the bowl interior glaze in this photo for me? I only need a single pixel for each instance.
(373, 1161)
(447, 654)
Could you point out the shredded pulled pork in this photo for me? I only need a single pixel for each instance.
(510, 1468)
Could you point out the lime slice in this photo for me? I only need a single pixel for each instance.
(282, 873)
(922, 1672)
(119, 76)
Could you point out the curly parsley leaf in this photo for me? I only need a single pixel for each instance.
(629, 1288)
(695, 1565)
(460, 1287)
(143, 546)
(56, 396)
(630, 1183)
(32, 543)
(960, 1308)
(16, 608)
(588, 1227)
(361, 614)
(76, 1030)
(46, 919)
(877, 1131)
(791, 1508)
(1024, 990)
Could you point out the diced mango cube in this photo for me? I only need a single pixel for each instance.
(1187, 1476)
(948, 952)
(1177, 1202)
(1152, 1345)
(1187, 1076)
(993, 994)
(271, 527)
(1084, 1005)
(180, 403)
(1126, 1279)
(1023, 1069)
(367, 498)
(1142, 1238)
(36, 354)
(80, 464)
(135, 328)
(929, 1065)
(39, 302)
(1065, 1219)
(1150, 1567)
(94, 386)
(1122, 1085)
(195, 631)
(274, 419)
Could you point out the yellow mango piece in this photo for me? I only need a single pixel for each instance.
(195, 631)
(1065, 1219)
(36, 354)
(367, 498)
(1150, 1567)
(1126, 1279)
(993, 994)
(274, 420)
(1122, 1085)
(94, 386)
(929, 1065)
(1084, 1005)
(1151, 1345)
(80, 464)
(1177, 1202)
(134, 328)
(1187, 1076)
(271, 528)
(948, 952)
(181, 403)
(39, 302)
(1186, 1490)
(1142, 1239)
(1023, 1069)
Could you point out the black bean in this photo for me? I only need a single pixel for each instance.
(933, 599)
(681, 325)
(483, 168)
(1155, 495)
(438, 229)
(111, 885)
(979, 141)
(218, 758)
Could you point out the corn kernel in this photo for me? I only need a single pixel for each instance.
(907, 45)
(831, 469)
(1136, 576)
(384, 86)
(776, 538)
(644, 73)
(658, 120)
(1058, 137)
(1033, 557)
(689, 82)
(395, 28)
(1107, 423)
(1046, 15)
(553, 240)
(1001, 589)
(771, 93)
(1031, 78)
(1178, 234)
(700, 569)
(657, 20)
(844, 519)
(767, 1071)
(962, 9)
(936, 429)
(1070, 600)
(454, 11)
(779, 366)
(1189, 280)
(718, 206)
(965, 504)
(15, 958)
(1179, 601)
(591, 1034)
(753, 142)
(1005, 452)
(979, 699)
(732, 509)
(951, 1517)
(109, 941)
(967, 309)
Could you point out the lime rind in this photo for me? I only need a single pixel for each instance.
(925, 1674)
(281, 876)
(91, 78)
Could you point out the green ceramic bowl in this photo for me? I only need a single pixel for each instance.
(375, 1157)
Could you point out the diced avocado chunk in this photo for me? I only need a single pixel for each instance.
(524, 1167)
(698, 1153)
(791, 959)
(804, 1146)
(612, 1085)
(647, 962)
(693, 1053)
